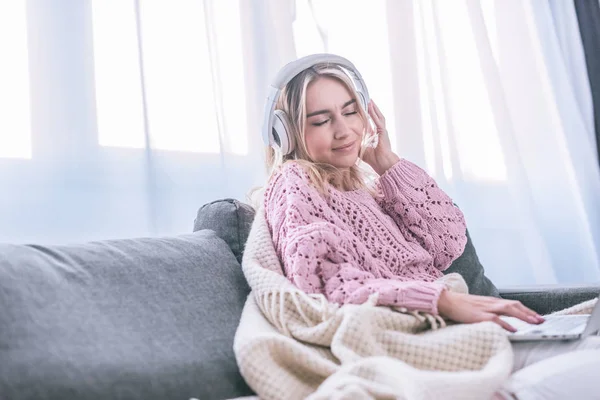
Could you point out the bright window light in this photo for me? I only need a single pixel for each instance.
(119, 105)
(476, 133)
(226, 29)
(176, 76)
(15, 125)
(306, 31)
(431, 86)
(427, 131)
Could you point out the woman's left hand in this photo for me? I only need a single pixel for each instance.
(380, 158)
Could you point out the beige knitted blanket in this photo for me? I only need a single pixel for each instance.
(290, 345)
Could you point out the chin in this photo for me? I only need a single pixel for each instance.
(346, 163)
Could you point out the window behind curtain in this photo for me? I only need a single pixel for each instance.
(170, 74)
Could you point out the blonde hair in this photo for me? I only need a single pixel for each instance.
(293, 102)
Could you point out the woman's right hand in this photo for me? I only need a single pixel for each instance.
(468, 308)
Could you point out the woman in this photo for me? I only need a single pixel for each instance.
(338, 235)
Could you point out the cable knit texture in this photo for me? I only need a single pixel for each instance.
(348, 245)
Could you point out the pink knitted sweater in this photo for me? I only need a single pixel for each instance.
(348, 245)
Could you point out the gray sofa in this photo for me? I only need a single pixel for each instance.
(152, 318)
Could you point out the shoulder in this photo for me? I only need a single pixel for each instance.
(294, 170)
(289, 173)
(291, 182)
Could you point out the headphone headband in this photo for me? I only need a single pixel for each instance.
(288, 72)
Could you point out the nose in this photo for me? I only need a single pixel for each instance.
(341, 129)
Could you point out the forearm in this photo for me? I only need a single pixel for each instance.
(424, 211)
(406, 182)
(352, 286)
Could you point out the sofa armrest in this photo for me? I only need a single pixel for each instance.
(545, 299)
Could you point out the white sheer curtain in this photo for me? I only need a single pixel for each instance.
(140, 112)
(492, 98)
(121, 117)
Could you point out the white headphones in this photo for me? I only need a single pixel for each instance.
(276, 125)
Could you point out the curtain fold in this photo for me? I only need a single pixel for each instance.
(588, 15)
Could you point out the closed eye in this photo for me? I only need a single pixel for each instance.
(351, 113)
(320, 123)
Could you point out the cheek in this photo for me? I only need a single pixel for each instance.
(316, 141)
(358, 125)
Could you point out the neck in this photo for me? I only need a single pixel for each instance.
(341, 180)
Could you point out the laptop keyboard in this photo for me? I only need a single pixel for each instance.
(560, 324)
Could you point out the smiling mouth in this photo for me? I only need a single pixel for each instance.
(344, 147)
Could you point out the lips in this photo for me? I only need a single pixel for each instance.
(344, 147)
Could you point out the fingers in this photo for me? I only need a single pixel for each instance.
(522, 315)
(468, 308)
(496, 318)
(518, 310)
(531, 315)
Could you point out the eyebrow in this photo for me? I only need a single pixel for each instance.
(346, 104)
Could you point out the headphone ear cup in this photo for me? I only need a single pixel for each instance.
(282, 133)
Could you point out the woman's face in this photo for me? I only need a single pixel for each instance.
(333, 129)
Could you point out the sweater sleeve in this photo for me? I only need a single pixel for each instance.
(423, 212)
(320, 256)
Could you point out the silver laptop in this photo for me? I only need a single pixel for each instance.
(558, 327)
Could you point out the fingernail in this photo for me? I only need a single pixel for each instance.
(533, 319)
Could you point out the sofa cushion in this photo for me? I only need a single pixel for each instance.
(469, 266)
(140, 319)
(230, 219)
